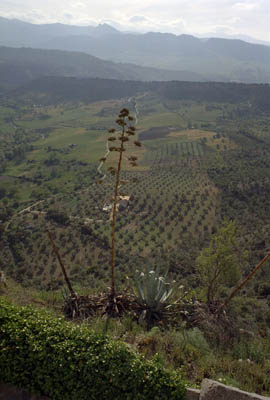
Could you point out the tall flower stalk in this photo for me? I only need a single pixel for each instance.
(127, 129)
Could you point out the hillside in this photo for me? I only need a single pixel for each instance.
(49, 90)
(20, 66)
(204, 158)
(212, 59)
(215, 59)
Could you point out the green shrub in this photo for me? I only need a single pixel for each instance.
(51, 357)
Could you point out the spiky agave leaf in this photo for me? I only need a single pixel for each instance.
(153, 291)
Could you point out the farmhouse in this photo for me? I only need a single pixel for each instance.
(121, 204)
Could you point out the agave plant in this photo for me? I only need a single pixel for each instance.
(125, 123)
(153, 293)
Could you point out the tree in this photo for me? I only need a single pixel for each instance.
(59, 217)
(218, 265)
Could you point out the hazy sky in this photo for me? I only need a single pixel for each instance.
(249, 17)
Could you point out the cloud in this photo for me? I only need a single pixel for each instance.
(146, 24)
(246, 6)
(137, 18)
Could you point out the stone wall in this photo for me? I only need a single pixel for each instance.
(212, 390)
(8, 392)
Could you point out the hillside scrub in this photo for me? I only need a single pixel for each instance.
(218, 264)
(51, 357)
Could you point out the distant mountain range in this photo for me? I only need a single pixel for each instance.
(201, 59)
(245, 38)
(19, 66)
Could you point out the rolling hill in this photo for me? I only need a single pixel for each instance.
(21, 65)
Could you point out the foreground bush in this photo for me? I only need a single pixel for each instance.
(49, 356)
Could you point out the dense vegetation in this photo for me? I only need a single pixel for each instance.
(52, 90)
(50, 357)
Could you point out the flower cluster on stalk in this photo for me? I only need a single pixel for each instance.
(118, 139)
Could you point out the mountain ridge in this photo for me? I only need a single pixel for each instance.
(21, 65)
(212, 59)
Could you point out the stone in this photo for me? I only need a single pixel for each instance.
(212, 390)
(9, 392)
(193, 394)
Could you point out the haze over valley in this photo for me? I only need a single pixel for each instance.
(182, 57)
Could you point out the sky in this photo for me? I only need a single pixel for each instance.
(196, 17)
